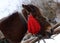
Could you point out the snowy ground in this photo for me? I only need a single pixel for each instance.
(55, 39)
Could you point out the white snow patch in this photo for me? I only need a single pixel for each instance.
(9, 6)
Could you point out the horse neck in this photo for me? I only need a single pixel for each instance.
(14, 27)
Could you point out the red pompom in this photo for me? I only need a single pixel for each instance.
(33, 25)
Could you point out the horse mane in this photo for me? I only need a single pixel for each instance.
(14, 27)
(38, 16)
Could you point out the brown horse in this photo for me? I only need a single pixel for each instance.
(46, 27)
(36, 14)
(14, 27)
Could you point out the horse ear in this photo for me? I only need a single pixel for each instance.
(25, 13)
(27, 7)
(23, 5)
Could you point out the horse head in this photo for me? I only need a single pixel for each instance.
(38, 16)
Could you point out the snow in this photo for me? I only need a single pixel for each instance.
(9, 6)
(56, 39)
(57, 1)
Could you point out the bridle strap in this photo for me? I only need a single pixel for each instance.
(23, 17)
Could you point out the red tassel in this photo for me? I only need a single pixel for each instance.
(33, 25)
